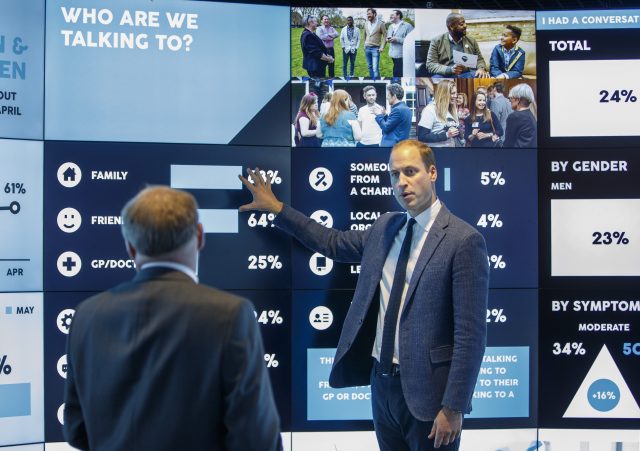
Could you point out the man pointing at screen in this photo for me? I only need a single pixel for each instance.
(416, 327)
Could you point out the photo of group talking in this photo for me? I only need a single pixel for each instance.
(442, 112)
(352, 42)
(469, 78)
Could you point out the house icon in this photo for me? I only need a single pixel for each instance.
(69, 175)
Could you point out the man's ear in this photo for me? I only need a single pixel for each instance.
(200, 236)
(131, 250)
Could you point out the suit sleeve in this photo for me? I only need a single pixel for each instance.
(433, 65)
(250, 416)
(494, 63)
(74, 429)
(342, 246)
(389, 122)
(469, 291)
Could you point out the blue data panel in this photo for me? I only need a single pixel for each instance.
(21, 69)
(87, 184)
(495, 191)
(505, 395)
(166, 72)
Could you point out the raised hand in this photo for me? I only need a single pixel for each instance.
(263, 197)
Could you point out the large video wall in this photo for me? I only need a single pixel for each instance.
(99, 99)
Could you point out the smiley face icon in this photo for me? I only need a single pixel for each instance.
(69, 220)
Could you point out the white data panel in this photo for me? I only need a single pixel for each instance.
(595, 237)
(586, 100)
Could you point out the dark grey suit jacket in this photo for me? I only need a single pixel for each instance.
(162, 363)
(443, 321)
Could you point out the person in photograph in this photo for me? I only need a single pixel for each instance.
(374, 41)
(327, 33)
(162, 361)
(440, 61)
(339, 127)
(439, 125)
(416, 326)
(314, 54)
(482, 128)
(522, 125)
(396, 125)
(306, 123)
(396, 32)
(507, 59)
(371, 132)
(500, 105)
(326, 101)
(463, 110)
(350, 41)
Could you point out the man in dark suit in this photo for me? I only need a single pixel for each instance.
(315, 56)
(396, 125)
(419, 308)
(161, 362)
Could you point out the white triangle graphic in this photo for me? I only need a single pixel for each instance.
(603, 368)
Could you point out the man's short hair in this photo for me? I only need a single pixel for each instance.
(159, 220)
(428, 157)
(396, 90)
(515, 31)
(499, 87)
(373, 10)
(349, 17)
(453, 17)
(398, 13)
(324, 17)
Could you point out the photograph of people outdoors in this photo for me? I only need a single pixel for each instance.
(352, 42)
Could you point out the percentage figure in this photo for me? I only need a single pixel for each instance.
(631, 349)
(608, 238)
(271, 360)
(272, 176)
(569, 349)
(492, 178)
(270, 317)
(15, 188)
(604, 395)
(498, 262)
(490, 220)
(618, 96)
(496, 315)
(264, 262)
(5, 368)
(261, 220)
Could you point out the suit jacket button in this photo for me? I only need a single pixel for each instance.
(360, 321)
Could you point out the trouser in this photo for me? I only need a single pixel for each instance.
(351, 57)
(372, 54)
(396, 429)
(331, 51)
(397, 67)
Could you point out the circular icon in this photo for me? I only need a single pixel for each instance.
(603, 395)
(69, 264)
(321, 318)
(61, 414)
(69, 220)
(323, 217)
(14, 207)
(69, 174)
(321, 179)
(320, 265)
(62, 366)
(64, 319)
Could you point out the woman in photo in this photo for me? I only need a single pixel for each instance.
(306, 123)
(339, 127)
(522, 125)
(438, 125)
(482, 127)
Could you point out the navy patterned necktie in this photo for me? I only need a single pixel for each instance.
(393, 306)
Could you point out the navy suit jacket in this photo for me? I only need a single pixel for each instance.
(312, 50)
(443, 322)
(498, 66)
(396, 125)
(164, 363)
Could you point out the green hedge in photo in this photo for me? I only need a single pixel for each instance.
(386, 64)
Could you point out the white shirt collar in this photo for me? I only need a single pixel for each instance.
(173, 265)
